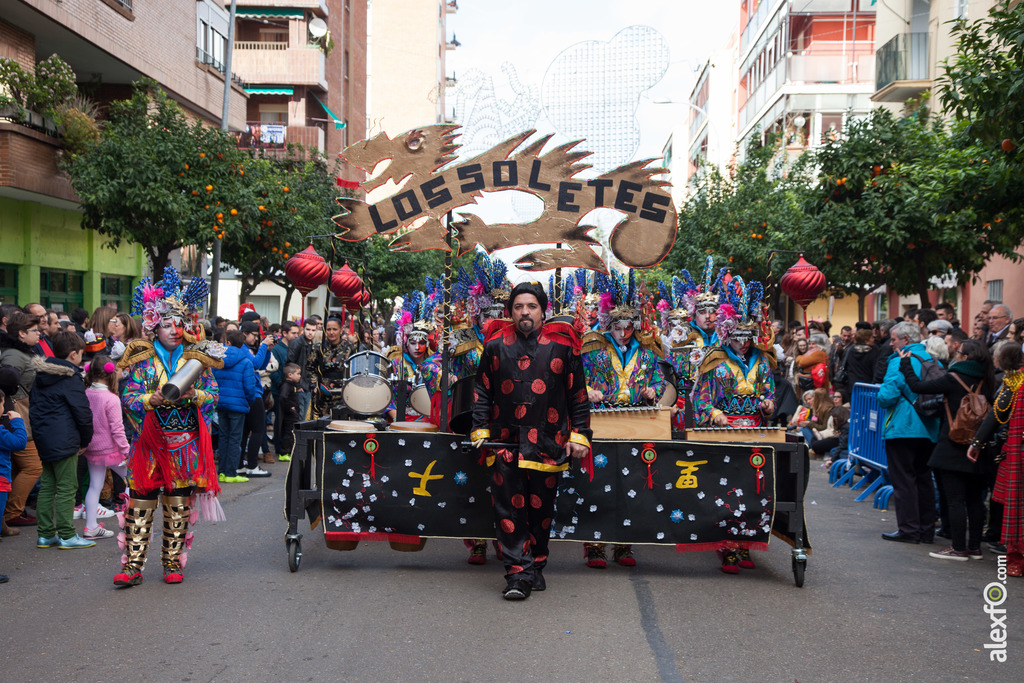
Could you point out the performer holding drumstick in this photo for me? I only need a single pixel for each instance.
(530, 392)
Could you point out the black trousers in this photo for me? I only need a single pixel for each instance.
(965, 495)
(913, 492)
(524, 505)
(253, 433)
(284, 438)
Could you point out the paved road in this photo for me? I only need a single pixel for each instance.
(870, 611)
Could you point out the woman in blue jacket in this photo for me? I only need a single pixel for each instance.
(237, 383)
(909, 440)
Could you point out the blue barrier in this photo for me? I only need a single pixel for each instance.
(866, 448)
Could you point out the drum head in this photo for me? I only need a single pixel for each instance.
(419, 399)
(413, 427)
(350, 426)
(668, 399)
(368, 363)
(366, 394)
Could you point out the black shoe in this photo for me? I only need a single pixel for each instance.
(900, 537)
(517, 589)
(942, 533)
(928, 541)
(538, 580)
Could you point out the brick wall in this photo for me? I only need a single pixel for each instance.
(159, 41)
(17, 45)
(28, 162)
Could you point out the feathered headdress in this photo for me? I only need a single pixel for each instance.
(166, 298)
(677, 300)
(617, 298)
(490, 288)
(711, 291)
(742, 310)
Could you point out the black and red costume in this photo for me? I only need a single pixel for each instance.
(530, 391)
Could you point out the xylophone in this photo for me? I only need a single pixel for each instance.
(745, 434)
(613, 421)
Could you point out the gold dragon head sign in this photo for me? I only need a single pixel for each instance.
(430, 184)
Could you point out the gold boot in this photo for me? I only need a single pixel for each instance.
(172, 554)
(138, 527)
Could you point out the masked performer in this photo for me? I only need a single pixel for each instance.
(679, 339)
(412, 331)
(621, 364)
(327, 365)
(173, 453)
(531, 392)
(736, 387)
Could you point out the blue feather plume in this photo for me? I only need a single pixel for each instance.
(665, 294)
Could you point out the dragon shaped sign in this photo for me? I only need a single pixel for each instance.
(430, 185)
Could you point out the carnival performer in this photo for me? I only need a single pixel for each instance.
(328, 364)
(412, 332)
(173, 454)
(736, 386)
(621, 365)
(679, 339)
(531, 392)
(469, 313)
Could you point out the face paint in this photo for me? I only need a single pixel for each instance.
(740, 341)
(706, 315)
(170, 332)
(622, 331)
(416, 345)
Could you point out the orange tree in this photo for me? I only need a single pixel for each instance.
(740, 217)
(283, 202)
(152, 174)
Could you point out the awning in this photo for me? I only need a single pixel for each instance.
(338, 123)
(268, 13)
(269, 91)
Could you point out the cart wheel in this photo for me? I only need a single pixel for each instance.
(294, 554)
(798, 572)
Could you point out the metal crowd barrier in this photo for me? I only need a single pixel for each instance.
(866, 456)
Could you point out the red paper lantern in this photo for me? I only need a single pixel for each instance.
(361, 298)
(345, 283)
(307, 270)
(803, 283)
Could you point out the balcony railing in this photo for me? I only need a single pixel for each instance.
(269, 136)
(903, 58)
(260, 45)
(294, 65)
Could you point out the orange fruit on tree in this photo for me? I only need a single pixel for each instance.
(234, 212)
(209, 188)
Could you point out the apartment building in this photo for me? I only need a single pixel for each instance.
(407, 74)
(914, 39)
(304, 67)
(45, 255)
(805, 65)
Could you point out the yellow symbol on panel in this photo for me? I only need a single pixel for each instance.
(421, 490)
(687, 479)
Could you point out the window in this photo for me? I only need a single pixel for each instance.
(116, 290)
(345, 69)
(995, 290)
(960, 9)
(60, 290)
(8, 284)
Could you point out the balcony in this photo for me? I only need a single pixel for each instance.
(28, 162)
(833, 66)
(277, 63)
(902, 68)
(266, 136)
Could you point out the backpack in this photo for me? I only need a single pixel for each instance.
(930, 405)
(969, 416)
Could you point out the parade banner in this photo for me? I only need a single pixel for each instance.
(429, 184)
(697, 496)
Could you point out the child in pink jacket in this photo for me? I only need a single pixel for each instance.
(109, 447)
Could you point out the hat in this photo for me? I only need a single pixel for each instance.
(618, 298)
(249, 327)
(712, 289)
(741, 310)
(491, 288)
(168, 299)
(533, 287)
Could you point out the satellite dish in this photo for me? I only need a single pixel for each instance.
(318, 28)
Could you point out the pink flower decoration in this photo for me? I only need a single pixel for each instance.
(151, 293)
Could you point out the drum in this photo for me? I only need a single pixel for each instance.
(350, 426)
(419, 399)
(671, 393)
(413, 427)
(367, 390)
(462, 406)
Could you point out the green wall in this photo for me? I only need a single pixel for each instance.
(35, 236)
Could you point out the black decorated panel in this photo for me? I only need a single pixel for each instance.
(673, 492)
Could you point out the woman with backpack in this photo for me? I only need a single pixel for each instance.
(962, 480)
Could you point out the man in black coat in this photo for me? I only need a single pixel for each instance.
(884, 344)
(531, 393)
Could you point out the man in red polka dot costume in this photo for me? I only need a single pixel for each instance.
(530, 392)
